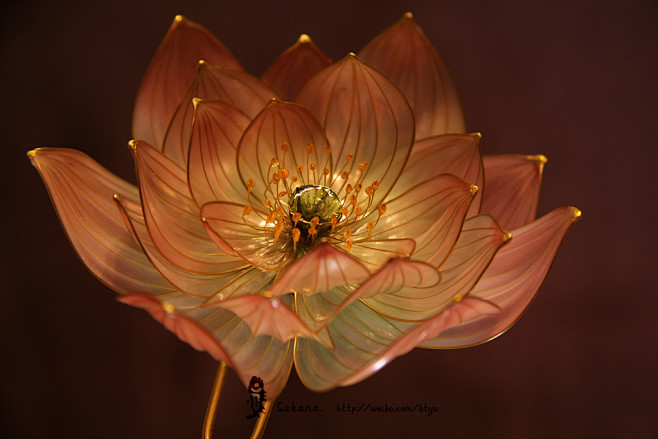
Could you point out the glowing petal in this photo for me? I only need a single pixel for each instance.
(241, 90)
(513, 279)
(246, 235)
(512, 188)
(365, 115)
(374, 253)
(170, 74)
(405, 55)
(81, 191)
(321, 270)
(456, 154)
(283, 132)
(212, 174)
(294, 67)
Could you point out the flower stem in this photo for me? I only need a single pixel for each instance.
(261, 423)
(209, 422)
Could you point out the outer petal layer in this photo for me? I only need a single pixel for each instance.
(170, 74)
(512, 188)
(405, 55)
(513, 279)
(82, 192)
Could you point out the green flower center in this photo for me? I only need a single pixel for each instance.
(315, 201)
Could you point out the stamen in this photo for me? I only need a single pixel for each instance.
(250, 185)
(370, 226)
(327, 149)
(310, 148)
(334, 221)
(284, 173)
(313, 167)
(285, 146)
(349, 157)
(382, 209)
(296, 217)
(345, 175)
(363, 166)
(296, 234)
(247, 210)
(278, 229)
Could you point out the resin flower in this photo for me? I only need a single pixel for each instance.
(328, 215)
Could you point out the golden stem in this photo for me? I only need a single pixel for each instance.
(209, 422)
(261, 423)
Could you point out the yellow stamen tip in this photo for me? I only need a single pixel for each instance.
(117, 197)
(474, 190)
(304, 39)
(168, 307)
(507, 236)
(195, 101)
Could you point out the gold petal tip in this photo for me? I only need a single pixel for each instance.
(539, 159)
(179, 18)
(304, 39)
(577, 214)
(507, 236)
(408, 16)
(168, 307)
(117, 197)
(267, 294)
(478, 136)
(203, 62)
(195, 101)
(132, 145)
(474, 190)
(32, 153)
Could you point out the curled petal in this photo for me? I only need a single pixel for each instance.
(405, 55)
(294, 67)
(267, 316)
(479, 241)
(456, 154)
(212, 174)
(374, 253)
(82, 193)
(203, 285)
(172, 218)
(513, 279)
(245, 234)
(364, 115)
(513, 183)
(227, 338)
(170, 74)
(321, 270)
(241, 90)
(432, 212)
(279, 138)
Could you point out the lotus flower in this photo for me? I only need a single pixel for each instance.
(328, 215)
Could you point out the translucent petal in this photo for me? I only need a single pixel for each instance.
(247, 235)
(365, 115)
(479, 241)
(405, 55)
(279, 126)
(374, 253)
(432, 212)
(513, 183)
(204, 285)
(456, 154)
(513, 279)
(173, 219)
(170, 74)
(324, 268)
(212, 172)
(227, 338)
(81, 191)
(290, 71)
(241, 90)
(267, 316)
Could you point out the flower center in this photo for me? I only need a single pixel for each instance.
(314, 210)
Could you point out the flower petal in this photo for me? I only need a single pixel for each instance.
(81, 191)
(245, 234)
(281, 133)
(374, 253)
(173, 219)
(365, 115)
(170, 74)
(294, 67)
(212, 173)
(227, 338)
(241, 90)
(405, 55)
(456, 154)
(513, 279)
(479, 241)
(432, 212)
(513, 183)
(323, 269)
(204, 285)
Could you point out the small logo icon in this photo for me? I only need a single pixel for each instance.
(256, 397)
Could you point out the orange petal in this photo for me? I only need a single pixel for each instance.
(365, 115)
(456, 154)
(241, 90)
(294, 67)
(405, 55)
(246, 235)
(212, 172)
(320, 270)
(170, 74)
(513, 279)
(375, 253)
(512, 188)
(82, 193)
(279, 124)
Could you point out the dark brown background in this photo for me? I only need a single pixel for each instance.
(573, 80)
